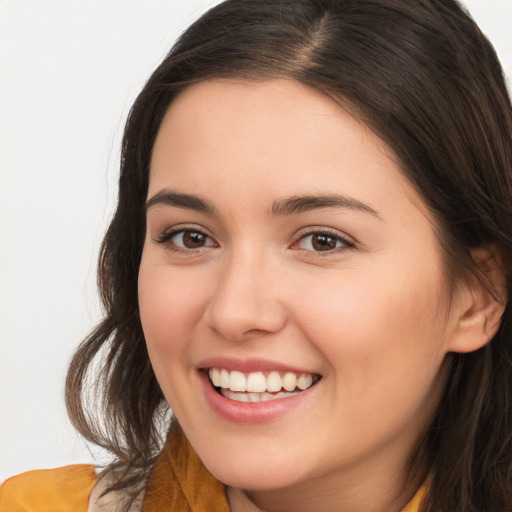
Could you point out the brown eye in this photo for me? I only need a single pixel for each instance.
(191, 240)
(322, 242)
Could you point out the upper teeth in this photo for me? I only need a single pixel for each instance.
(258, 382)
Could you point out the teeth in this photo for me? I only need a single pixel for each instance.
(256, 382)
(255, 386)
(215, 377)
(237, 381)
(255, 397)
(224, 379)
(304, 381)
(274, 382)
(289, 381)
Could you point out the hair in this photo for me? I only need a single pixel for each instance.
(422, 76)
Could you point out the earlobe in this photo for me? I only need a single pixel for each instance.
(481, 303)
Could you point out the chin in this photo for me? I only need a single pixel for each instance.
(253, 473)
(260, 480)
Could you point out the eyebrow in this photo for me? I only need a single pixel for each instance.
(179, 200)
(287, 206)
(301, 204)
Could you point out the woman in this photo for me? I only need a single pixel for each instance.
(309, 266)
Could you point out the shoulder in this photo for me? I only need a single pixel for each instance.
(49, 490)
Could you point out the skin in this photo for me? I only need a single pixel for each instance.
(371, 316)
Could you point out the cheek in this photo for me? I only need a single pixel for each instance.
(169, 306)
(376, 326)
(384, 349)
(170, 309)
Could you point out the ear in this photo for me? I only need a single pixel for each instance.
(481, 302)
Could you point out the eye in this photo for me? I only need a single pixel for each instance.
(323, 242)
(186, 239)
(191, 239)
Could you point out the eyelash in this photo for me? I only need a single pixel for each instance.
(166, 237)
(345, 242)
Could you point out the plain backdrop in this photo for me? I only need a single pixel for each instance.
(69, 71)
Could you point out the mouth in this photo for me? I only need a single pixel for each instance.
(259, 386)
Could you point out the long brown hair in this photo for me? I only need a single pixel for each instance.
(422, 76)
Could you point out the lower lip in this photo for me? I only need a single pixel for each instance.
(251, 412)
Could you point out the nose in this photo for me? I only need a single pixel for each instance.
(246, 300)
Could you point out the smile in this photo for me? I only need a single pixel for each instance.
(259, 386)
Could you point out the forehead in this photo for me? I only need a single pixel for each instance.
(274, 138)
(259, 112)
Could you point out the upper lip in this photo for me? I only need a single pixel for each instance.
(249, 365)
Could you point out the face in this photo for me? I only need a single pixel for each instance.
(287, 254)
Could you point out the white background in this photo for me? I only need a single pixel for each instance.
(69, 71)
